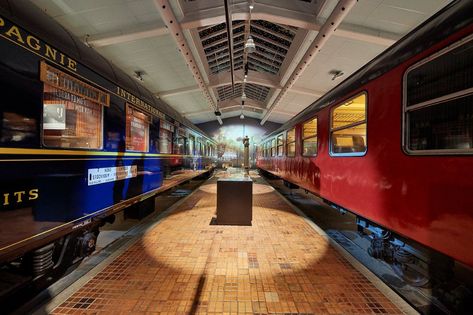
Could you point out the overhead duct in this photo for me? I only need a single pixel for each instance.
(175, 30)
(327, 30)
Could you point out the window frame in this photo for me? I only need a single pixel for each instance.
(316, 137)
(332, 130)
(288, 143)
(149, 120)
(102, 129)
(433, 102)
(280, 137)
(274, 151)
(192, 150)
(162, 121)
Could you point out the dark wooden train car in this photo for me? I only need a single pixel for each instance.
(393, 144)
(79, 140)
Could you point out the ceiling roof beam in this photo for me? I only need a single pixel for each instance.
(297, 50)
(272, 50)
(222, 31)
(224, 40)
(235, 109)
(264, 65)
(328, 29)
(254, 77)
(240, 11)
(270, 63)
(285, 18)
(284, 113)
(228, 22)
(304, 91)
(269, 31)
(226, 64)
(112, 39)
(225, 57)
(184, 90)
(268, 56)
(236, 101)
(269, 40)
(165, 10)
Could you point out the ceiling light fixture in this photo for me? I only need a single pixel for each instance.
(243, 96)
(336, 74)
(250, 45)
(242, 116)
(138, 75)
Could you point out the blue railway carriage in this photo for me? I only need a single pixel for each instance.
(79, 141)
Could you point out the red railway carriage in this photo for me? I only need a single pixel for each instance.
(393, 143)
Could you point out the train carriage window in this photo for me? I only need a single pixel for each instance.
(280, 145)
(180, 141)
(72, 111)
(309, 138)
(348, 127)
(198, 147)
(438, 102)
(165, 136)
(137, 130)
(191, 142)
(273, 147)
(291, 142)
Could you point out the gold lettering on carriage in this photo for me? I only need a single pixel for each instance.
(19, 197)
(30, 42)
(139, 103)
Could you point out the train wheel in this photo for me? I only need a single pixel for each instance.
(409, 275)
(406, 266)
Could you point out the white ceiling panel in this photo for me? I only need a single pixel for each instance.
(187, 103)
(164, 68)
(294, 102)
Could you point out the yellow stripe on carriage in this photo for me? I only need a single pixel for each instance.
(26, 151)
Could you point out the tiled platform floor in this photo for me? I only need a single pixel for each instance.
(184, 265)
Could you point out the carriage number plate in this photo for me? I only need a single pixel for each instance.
(110, 174)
